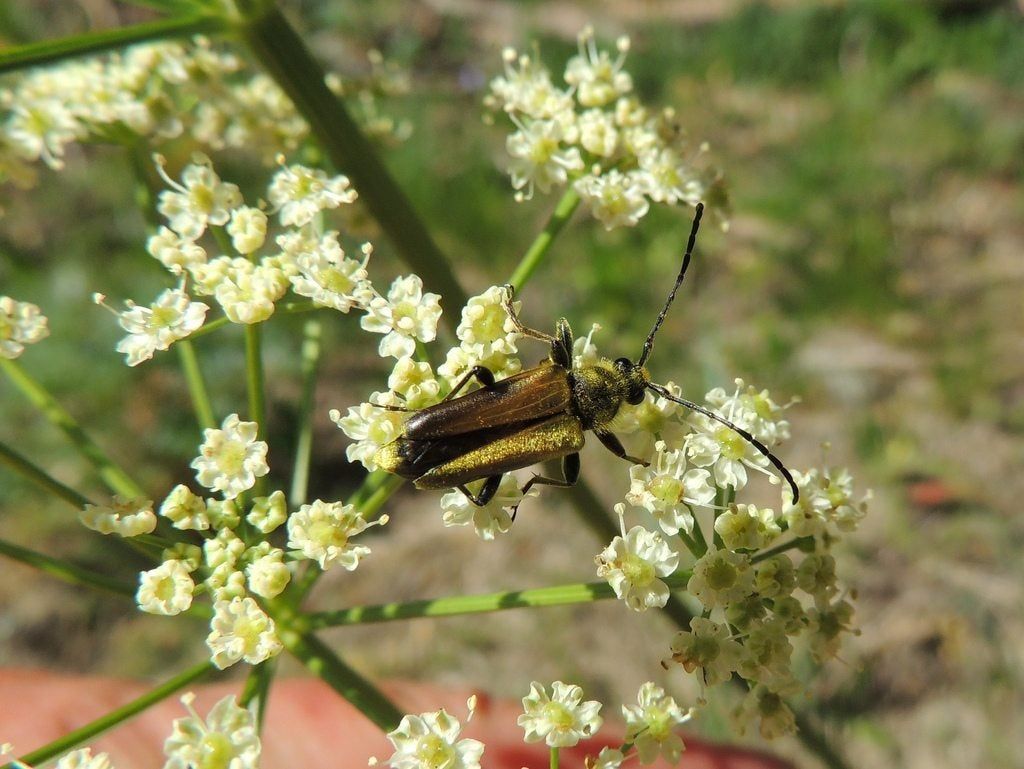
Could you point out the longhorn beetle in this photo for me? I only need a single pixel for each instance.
(535, 415)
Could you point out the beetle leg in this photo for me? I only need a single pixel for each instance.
(483, 376)
(614, 445)
(570, 473)
(514, 317)
(487, 491)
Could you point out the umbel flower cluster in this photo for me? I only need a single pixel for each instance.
(593, 134)
(160, 91)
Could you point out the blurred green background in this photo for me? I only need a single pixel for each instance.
(874, 267)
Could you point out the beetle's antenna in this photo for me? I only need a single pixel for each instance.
(746, 435)
(649, 344)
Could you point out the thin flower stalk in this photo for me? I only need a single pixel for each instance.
(196, 384)
(310, 363)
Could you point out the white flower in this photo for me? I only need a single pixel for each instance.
(247, 228)
(268, 575)
(584, 351)
(666, 487)
(633, 564)
(485, 328)
(597, 78)
(491, 519)
(615, 199)
(41, 128)
(166, 590)
(721, 577)
(241, 631)
(826, 497)
(431, 741)
(459, 361)
(321, 532)
(370, 426)
(125, 517)
(200, 200)
(561, 719)
(185, 509)
(608, 758)
(598, 134)
(300, 193)
(223, 550)
(407, 315)
(766, 654)
(706, 647)
(526, 88)
(227, 739)
(81, 759)
(651, 723)
(538, 158)
(247, 292)
(669, 179)
(769, 710)
(753, 410)
(231, 459)
(175, 252)
(330, 278)
(268, 513)
(171, 317)
(21, 323)
(747, 527)
(415, 382)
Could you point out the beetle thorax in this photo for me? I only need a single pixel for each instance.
(599, 390)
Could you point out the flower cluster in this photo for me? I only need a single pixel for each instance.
(757, 596)
(227, 737)
(161, 91)
(219, 248)
(236, 565)
(559, 717)
(594, 134)
(21, 323)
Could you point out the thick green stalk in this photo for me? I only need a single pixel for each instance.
(539, 248)
(328, 667)
(113, 718)
(113, 476)
(553, 760)
(40, 477)
(196, 384)
(65, 571)
(280, 49)
(304, 438)
(50, 51)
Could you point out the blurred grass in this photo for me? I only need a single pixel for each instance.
(874, 153)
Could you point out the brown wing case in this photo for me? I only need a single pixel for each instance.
(526, 397)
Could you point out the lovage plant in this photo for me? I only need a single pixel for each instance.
(747, 584)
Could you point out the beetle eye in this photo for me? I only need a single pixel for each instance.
(623, 364)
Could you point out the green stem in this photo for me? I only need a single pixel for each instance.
(557, 595)
(113, 476)
(800, 543)
(50, 51)
(40, 477)
(257, 687)
(304, 440)
(64, 571)
(327, 666)
(113, 718)
(553, 762)
(254, 376)
(279, 48)
(698, 535)
(538, 249)
(196, 384)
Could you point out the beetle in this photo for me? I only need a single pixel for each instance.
(536, 415)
